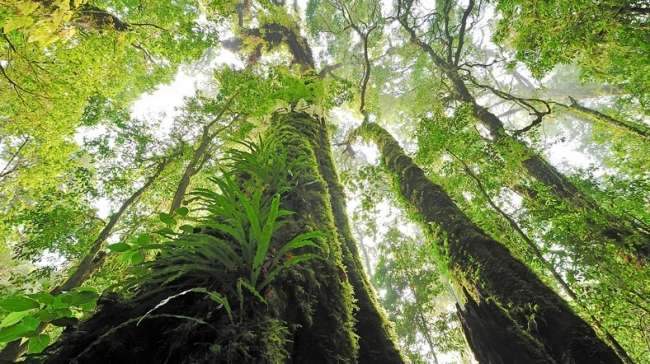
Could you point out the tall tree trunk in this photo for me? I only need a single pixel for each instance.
(376, 338)
(612, 228)
(315, 300)
(508, 315)
(199, 156)
(534, 249)
(90, 263)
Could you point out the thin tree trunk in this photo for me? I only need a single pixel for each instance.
(90, 263)
(366, 258)
(636, 128)
(199, 156)
(422, 322)
(508, 315)
(6, 170)
(425, 331)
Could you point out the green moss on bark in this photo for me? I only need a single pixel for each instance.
(329, 334)
(377, 339)
(508, 314)
(304, 316)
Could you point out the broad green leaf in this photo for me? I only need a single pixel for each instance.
(182, 211)
(77, 298)
(143, 239)
(187, 228)
(42, 297)
(14, 317)
(166, 232)
(119, 247)
(18, 303)
(37, 343)
(65, 321)
(49, 314)
(166, 218)
(136, 257)
(21, 329)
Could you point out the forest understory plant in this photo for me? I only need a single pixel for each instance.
(225, 264)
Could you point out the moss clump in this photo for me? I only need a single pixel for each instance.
(275, 337)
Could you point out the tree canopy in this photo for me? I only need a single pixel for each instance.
(423, 181)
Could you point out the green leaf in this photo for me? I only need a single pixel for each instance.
(143, 239)
(37, 343)
(182, 211)
(301, 240)
(65, 321)
(17, 22)
(13, 318)
(287, 264)
(166, 218)
(136, 257)
(50, 314)
(187, 228)
(166, 232)
(18, 303)
(42, 297)
(265, 238)
(253, 216)
(219, 298)
(242, 283)
(21, 329)
(77, 298)
(119, 247)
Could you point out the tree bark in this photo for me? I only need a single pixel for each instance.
(314, 300)
(620, 351)
(614, 229)
(508, 315)
(377, 341)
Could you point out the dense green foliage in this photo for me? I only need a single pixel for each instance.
(191, 210)
(607, 39)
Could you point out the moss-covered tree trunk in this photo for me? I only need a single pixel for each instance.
(377, 343)
(609, 227)
(313, 302)
(508, 314)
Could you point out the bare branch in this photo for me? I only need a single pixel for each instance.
(6, 171)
